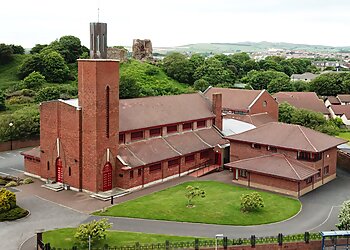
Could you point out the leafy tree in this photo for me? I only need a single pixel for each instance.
(177, 66)
(17, 49)
(193, 192)
(285, 112)
(128, 87)
(37, 48)
(261, 79)
(251, 202)
(55, 69)
(329, 84)
(214, 72)
(47, 94)
(344, 216)
(196, 60)
(301, 86)
(34, 80)
(30, 64)
(242, 57)
(94, 230)
(2, 101)
(201, 85)
(70, 48)
(250, 65)
(281, 83)
(6, 53)
(269, 64)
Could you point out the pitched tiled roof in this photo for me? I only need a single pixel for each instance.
(333, 100)
(158, 149)
(303, 100)
(276, 165)
(256, 119)
(33, 153)
(288, 136)
(235, 99)
(154, 111)
(341, 110)
(344, 98)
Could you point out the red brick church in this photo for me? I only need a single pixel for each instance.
(98, 142)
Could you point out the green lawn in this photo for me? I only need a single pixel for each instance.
(344, 135)
(221, 206)
(8, 72)
(64, 238)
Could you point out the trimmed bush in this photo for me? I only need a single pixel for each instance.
(34, 80)
(27, 180)
(95, 229)
(11, 184)
(13, 214)
(251, 202)
(7, 200)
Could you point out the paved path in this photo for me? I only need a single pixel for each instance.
(320, 209)
(11, 162)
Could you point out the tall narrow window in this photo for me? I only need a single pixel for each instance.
(103, 42)
(107, 112)
(98, 43)
(69, 171)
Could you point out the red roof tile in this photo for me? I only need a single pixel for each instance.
(255, 119)
(34, 153)
(187, 142)
(302, 100)
(154, 111)
(288, 136)
(344, 98)
(235, 99)
(333, 100)
(276, 165)
(341, 110)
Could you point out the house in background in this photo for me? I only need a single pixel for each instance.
(341, 111)
(303, 100)
(307, 77)
(283, 158)
(331, 100)
(253, 106)
(344, 99)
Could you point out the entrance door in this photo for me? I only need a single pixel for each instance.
(59, 170)
(107, 177)
(218, 159)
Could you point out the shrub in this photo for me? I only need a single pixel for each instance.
(47, 94)
(344, 216)
(13, 214)
(251, 202)
(152, 71)
(7, 200)
(95, 229)
(201, 85)
(11, 184)
(2, 101)
(27, 180)
(2, 182)
(34, 80)
(20, 100)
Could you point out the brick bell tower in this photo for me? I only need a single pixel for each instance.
(99, 101)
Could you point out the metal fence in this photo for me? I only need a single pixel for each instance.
(198, 243)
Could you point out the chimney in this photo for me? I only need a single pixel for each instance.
(217, 109)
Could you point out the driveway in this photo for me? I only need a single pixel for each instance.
(11, 162)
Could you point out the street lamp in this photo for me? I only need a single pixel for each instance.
(10, 125)
(218, 236)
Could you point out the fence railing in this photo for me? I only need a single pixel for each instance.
(198, 243)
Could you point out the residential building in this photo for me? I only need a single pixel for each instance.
(243, 104)
(344, 99)
(307, 77)
(283, 158)
(303, 100)
(342, 112)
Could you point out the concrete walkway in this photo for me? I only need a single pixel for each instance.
(320, 209)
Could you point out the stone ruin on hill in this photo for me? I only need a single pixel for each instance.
(142, 49)
(118, 53)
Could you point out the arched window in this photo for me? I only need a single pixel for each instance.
(107, 112)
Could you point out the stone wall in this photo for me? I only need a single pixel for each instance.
(117, 53)
(142, 49)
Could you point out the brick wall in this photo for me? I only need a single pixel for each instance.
(6, 146)
(271, 105)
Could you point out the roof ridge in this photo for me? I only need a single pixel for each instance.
(307, 138)
(126, 146)
(256, 98)
(264, 125)
(173, 148)
(200, 138)
(256, 157)
(292, 167)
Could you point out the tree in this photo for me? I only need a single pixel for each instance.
(37, 48)
(128, 87)
(17, 49)
(201, 85)
(193, 192)
(251, 202)
(6, 53)
(281, 83)
(34, 80)
(261, 79)
(301, 86)
(55, 68)
(70, 48)
(2, 101)
(30, 64)
(344, 216)
(214, 72)
(47, 94)
(177, 66)
(94, 230)
(329, 84)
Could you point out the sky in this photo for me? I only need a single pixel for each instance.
(178, 22)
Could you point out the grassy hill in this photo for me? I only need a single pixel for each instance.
(8, 72)
(152, 80)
